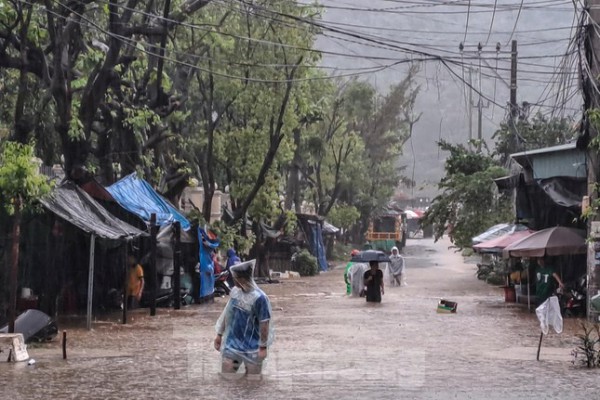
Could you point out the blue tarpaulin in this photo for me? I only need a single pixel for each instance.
(319, 246)
(137, 196)
(207, 269)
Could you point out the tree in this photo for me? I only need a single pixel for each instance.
(532, 133)
(468, 201)
(99, 68)
(383, 123)
(244, 100)
(20, 185)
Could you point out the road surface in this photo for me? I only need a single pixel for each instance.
(327, 346)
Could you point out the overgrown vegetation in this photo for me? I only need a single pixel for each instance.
(469, 201)
(587, 352)
(305, 263)
(197, 90)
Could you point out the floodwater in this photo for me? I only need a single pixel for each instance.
(327, 346)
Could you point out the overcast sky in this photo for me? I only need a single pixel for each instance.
(437, 27)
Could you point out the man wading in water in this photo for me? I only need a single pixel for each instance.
(373, 279)
(244, 329)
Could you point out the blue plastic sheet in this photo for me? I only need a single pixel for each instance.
(137, 196)
(207, 269)
(320, 246)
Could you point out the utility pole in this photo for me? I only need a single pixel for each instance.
(470, 106)
(480, 104)
(513, 107)
(592, 101)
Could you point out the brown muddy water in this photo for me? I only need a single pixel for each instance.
(327, 346)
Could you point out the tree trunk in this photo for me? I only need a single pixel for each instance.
(14, 265)
(293, 191)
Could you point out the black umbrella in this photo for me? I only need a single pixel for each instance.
(371, 255)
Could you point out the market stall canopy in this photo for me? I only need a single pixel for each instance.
(549, 242)
(496, 245)
(413, 214)
(137, 196)
(497, 231)
(75, 206)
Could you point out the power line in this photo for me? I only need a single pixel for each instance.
(516, 22)
(491, 23)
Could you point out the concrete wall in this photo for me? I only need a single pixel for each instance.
(196, 196)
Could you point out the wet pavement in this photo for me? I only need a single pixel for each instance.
(327, 346)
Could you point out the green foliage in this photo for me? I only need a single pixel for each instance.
(343, 215)
(341, 252)
(230, 237)
(291, 223)
(469, 201)
(305, 263)
(195, 217)
(588, 347)
(19, 176)
(533, 133)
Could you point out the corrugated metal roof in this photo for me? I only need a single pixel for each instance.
(552, 149)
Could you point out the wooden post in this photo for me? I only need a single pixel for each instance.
(154, 289)
(177, 265)
(125, 284)
(90, 294)
(540, 346)
(64, 345)
(14, 265)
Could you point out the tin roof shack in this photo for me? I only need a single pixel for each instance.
(550, 187)
(61, 268)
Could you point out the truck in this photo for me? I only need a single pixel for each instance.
(387, 230)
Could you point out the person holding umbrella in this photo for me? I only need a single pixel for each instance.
(373, 279)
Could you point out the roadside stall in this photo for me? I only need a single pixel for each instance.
(566, 246)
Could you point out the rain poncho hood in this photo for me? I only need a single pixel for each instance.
(232, 258)
(241, 319)
(397, 262)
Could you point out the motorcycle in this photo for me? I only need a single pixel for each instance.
(222, 288)
(165, 295)
(573, 298)
(577, 299)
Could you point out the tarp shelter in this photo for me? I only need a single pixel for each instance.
(208, 245)
(312, 226)
(137, 196)
(75, 206)
(330, 229)
(497, 231)
(496, 245)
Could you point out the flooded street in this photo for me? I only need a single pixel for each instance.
(326, 346)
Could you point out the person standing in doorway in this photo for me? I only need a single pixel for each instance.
(373, 279)
(135, 283)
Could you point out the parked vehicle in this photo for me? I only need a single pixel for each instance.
(222, 288)
(575, 298)
(387, 231)
(165, 295)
